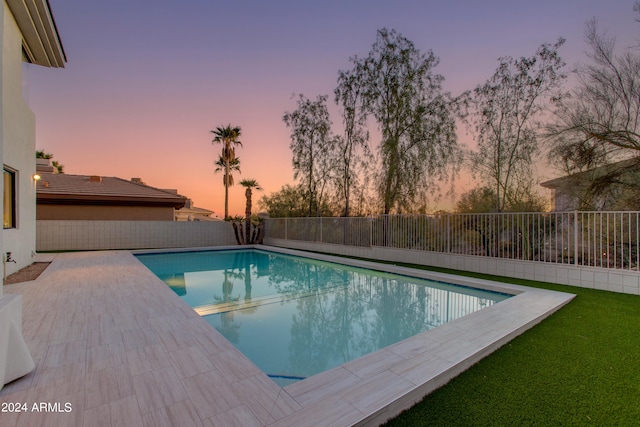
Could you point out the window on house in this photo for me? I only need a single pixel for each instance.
(9, 204)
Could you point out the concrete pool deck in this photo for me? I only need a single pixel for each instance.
(113, 341)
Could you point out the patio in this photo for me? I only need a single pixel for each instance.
(120, 347)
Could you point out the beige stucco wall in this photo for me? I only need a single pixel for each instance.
(17, 132)
(89, 212)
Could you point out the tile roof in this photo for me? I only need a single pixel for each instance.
(197, 210)
(53, 187)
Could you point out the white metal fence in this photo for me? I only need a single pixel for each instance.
(595, 239)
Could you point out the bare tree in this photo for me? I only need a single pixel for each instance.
(599, 125)
(600, 122)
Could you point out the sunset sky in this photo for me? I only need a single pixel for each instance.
(146, 81)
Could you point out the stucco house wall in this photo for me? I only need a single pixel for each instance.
(18, 145)
(27, 32)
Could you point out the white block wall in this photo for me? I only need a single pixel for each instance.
(615, 280)
(103, 235)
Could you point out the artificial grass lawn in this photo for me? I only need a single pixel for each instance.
(581, 366)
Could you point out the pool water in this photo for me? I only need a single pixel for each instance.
(295, 317)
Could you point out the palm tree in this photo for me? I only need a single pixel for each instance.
(234, 166)
(57, 167)
(228, 137)
(250, 185)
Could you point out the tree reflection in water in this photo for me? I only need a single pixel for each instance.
(241, 270)
(333, 324)
(298, 316)
(228, 327)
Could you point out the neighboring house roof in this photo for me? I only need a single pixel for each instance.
(195, 210)
(194, 213)
(614, 186)
(201, 211)
(41, 41)
(85, 189)
(586, 177)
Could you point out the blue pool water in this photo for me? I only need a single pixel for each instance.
(295, 317)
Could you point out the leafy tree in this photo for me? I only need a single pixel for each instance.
(483, 199)
(599, 124)
(312, 145)
(352, 148)
(290, 201)
(228, 137)
(477, 200)
(404, 95)
(41, 154)
(503, 113)
(528, 200)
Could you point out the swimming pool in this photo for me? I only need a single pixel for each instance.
(295, 317)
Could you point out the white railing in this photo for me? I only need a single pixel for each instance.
(339, 231)
(595, 239)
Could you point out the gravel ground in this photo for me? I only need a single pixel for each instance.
(30, 272)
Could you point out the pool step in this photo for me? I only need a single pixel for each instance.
(205, 310)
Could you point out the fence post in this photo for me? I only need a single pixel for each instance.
(448, 233)
(285, 228)
(321, 241)
(575, 237)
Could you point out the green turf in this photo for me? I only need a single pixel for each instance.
(581, 366)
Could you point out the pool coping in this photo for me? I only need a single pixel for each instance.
(110, 339)
(378, 386)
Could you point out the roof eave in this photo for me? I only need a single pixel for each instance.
(41, 40)
(71, 199)
(592, 173)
